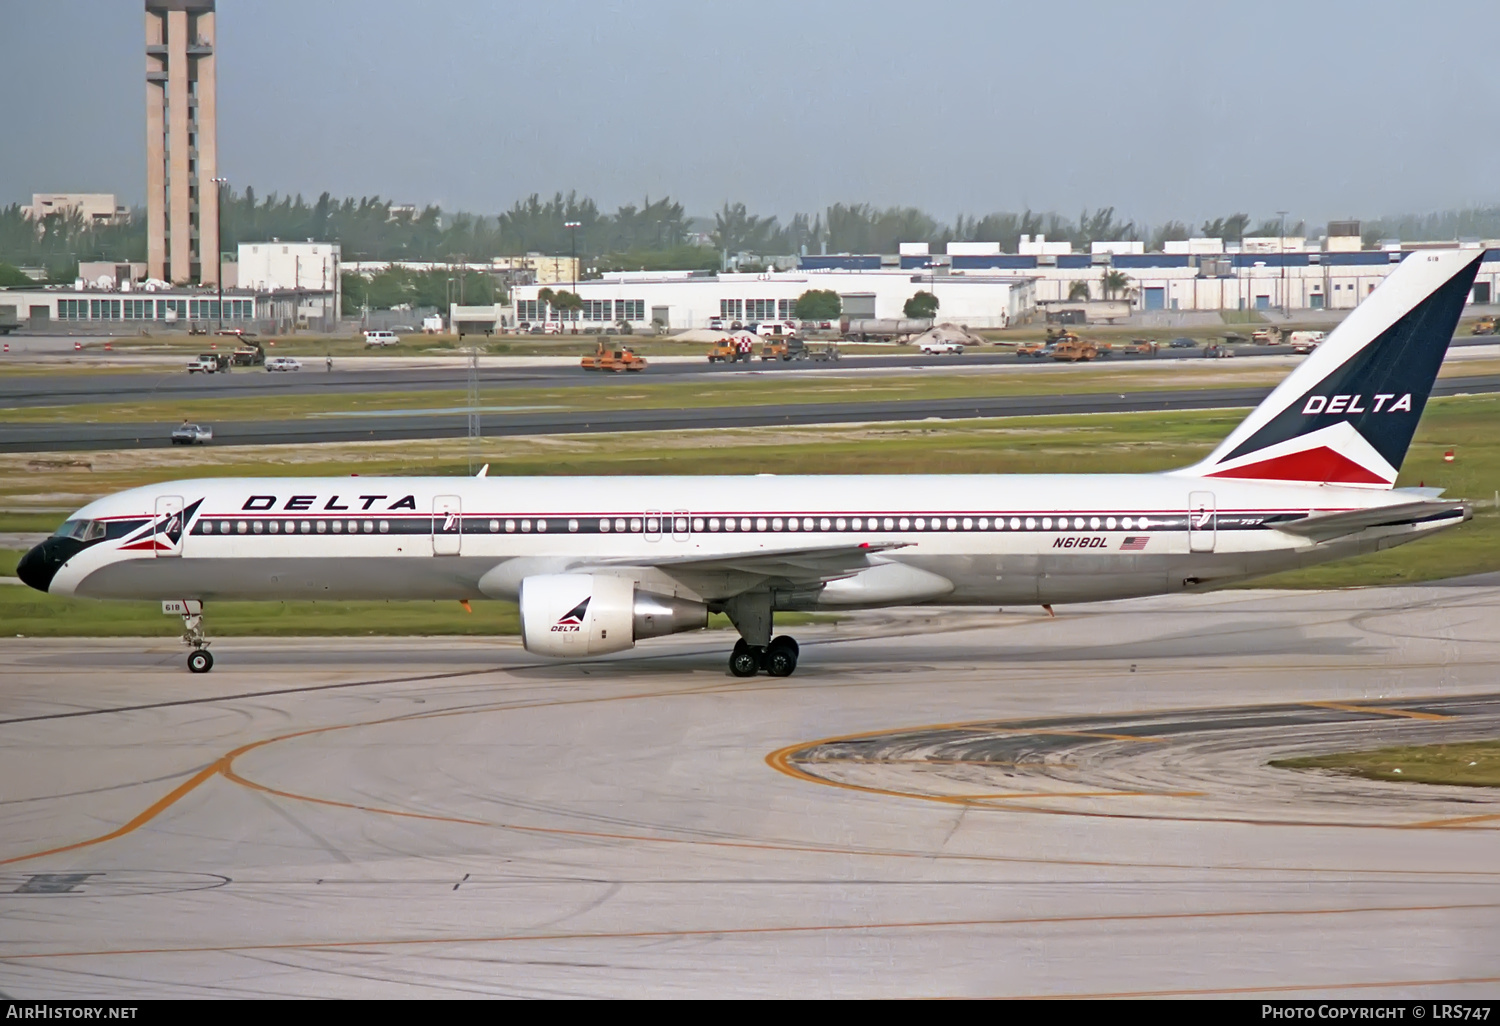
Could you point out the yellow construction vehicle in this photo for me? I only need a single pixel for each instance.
(1075, 351)
(1484, 326)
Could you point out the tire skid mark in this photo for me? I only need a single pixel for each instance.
(743, 931)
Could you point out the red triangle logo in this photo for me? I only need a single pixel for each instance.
(1321, 465)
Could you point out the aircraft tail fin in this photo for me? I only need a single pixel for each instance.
(1347, 414)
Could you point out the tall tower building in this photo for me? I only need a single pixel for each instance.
(182, 160)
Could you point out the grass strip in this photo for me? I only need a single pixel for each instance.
(1467, 764)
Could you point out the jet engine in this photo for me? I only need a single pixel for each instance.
(591, 614)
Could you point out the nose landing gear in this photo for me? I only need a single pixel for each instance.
(199, 660)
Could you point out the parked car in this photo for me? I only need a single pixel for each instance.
(208, 363)
(552, 328)
(192, 434)
(1182, 343)
(939, 348)
(381, 338)
(283, 363)
(1140, 347)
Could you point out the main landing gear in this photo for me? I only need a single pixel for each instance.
(199, 660)
(757, 650)
(778, 659)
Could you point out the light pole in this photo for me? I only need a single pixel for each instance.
(219, 184)
(572, 227)
(1281, 245)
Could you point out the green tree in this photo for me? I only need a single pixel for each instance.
(818, 305)
(355, 289)
(11, 277)
(1230, 229)
(1172, 231)
(1078, 290)
(566, 302)
(1114, 282)
(921, 307)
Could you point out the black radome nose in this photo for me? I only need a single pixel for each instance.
(37, 568)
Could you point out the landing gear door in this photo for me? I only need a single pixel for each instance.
(168, 528)
(447, 525)
(1203, 520)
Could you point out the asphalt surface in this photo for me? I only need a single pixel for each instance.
(938, 803)
(313, 379)
(19, 437)
(174, 383)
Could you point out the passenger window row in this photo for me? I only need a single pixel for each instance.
(680, 525)
(292, 526)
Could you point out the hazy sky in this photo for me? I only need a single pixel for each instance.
(1169, 109)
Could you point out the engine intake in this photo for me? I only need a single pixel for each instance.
(593, 614)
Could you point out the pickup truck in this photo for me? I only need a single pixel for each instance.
(192, 434)
(940, 348)
(208, 363)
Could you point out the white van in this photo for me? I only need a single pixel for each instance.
(1306, 341)
(775, 329)
(381, 338)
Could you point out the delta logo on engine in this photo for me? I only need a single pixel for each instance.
(572, 620)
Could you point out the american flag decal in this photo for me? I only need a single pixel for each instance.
(1135, 543)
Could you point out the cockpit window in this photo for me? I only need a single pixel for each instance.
(82, 530)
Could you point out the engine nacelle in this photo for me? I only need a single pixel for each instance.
(592, 614)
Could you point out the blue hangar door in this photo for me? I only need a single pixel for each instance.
(1156, 299)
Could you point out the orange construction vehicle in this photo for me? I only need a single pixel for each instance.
(617, 360)
(730, 350)
(1075, 351)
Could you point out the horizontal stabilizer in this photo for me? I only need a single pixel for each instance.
(1323, 526)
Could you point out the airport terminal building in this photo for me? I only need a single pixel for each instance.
(92, 311)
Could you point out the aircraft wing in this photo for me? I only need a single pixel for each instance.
(812, 565)
(1323, 526)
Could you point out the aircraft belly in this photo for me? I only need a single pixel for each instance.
(353, 577)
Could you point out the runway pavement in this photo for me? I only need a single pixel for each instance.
(403, 425)
(158, 381)
(938, 803)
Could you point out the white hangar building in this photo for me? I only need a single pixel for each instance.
(683, 300)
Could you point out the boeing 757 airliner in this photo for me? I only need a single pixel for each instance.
(598, 564)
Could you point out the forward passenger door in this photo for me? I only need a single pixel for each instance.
(447, 525)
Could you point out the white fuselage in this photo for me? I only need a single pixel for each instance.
(997, 538)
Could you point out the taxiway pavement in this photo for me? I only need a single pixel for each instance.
(406, 425)
(938, 803)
